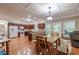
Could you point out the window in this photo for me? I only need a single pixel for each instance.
(56, 26)
(68, 27)
(48, 29)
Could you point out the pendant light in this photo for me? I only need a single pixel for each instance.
(49, 17)
(29, 19)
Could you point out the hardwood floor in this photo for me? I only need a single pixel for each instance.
(21, 46)
(75, 51)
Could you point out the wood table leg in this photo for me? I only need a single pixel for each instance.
(3, 44)
(7, 48)
(56, 44)
(58, 41)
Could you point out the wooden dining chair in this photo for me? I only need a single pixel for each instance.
(39, 44)
(43, 47)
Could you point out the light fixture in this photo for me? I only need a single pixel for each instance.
(29, 19)
(49, 17)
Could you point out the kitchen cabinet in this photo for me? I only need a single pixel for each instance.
(41, 26)
(29, 26)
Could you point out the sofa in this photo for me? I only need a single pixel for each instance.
(74, 38)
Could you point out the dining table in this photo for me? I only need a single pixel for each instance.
(52, 39)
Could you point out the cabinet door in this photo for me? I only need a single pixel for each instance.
(32, 26)
(41, 26)
(29, 27)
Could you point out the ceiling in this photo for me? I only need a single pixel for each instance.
(18, 11)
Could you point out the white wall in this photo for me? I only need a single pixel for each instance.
(5, 28)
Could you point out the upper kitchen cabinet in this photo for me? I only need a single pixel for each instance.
(31, 26)
(41, 26)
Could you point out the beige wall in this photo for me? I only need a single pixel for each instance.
(77, 25)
